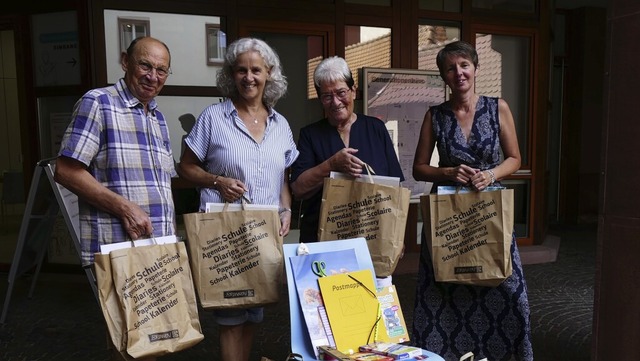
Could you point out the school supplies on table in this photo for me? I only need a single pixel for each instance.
(307, 270)
(395, 350)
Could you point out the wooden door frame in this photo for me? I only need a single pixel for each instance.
(534, 169)
(27, 113)
(327, 32)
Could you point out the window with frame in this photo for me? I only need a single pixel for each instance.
(433, 36)
(512, 6)
(506, 65)
(367, 46)
(131, 28)
(454, 6)
(216, 44)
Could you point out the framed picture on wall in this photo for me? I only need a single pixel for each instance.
(400, 98)
(131, 28)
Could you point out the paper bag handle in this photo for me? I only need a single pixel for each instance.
(244, 200)
(370, 172)
(152, 238)
(467, 356)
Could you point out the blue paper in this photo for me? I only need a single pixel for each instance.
(300, 341)
(306, 281)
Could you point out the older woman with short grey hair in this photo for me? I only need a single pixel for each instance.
(343, 141)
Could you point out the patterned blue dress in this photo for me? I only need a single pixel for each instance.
(451, 319)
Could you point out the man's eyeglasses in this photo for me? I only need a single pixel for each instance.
(341, 94)
(147, 68)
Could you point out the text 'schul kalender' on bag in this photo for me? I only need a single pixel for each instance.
(469, 236)
(147, 297)
(377, 212)
(236, 256)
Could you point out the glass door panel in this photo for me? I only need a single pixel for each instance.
(433, 36)
(504, 71)
(521, 205)
(366, 46)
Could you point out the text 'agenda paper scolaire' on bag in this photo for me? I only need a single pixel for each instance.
(377, 212)
(236, 257)
(148, 298)
(470, 236)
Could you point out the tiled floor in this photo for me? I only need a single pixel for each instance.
(63, 321)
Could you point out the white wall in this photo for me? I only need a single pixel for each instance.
(176, 110)
(183, 34)
(185, 37)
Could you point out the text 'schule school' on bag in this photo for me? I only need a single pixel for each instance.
(236, 256)
(147, 298)
(469, 235)
(375, 211)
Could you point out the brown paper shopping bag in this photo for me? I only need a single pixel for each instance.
(236, 257)
(469, 236)
(377, 212)
(156, 299)
(109, 303)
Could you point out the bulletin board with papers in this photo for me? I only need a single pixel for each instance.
(400, 98)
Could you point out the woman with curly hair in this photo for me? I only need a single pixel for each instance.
(243, 147)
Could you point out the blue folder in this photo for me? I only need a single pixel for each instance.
(300, 341)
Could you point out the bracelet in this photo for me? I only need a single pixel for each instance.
(282, 210)
(215, 181)
(493, 176)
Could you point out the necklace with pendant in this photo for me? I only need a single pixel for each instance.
(254, 117)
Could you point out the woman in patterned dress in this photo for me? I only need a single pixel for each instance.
(477, 146)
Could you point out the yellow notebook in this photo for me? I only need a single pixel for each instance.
(353, 309)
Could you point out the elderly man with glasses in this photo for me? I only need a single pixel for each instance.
(116, 155)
